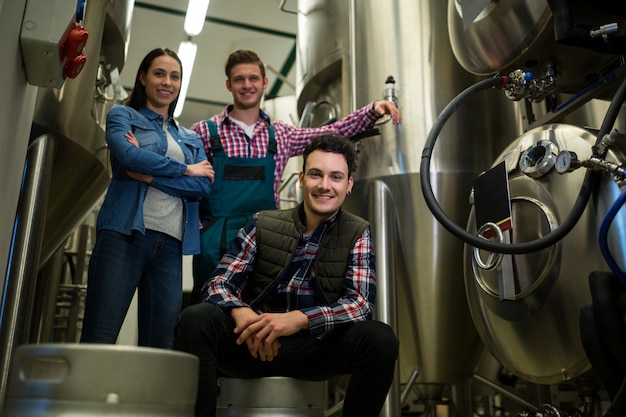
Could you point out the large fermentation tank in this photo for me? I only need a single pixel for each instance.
(54, 161)
(346, 51)
(74, 116)
(17, 106)
(535, 333)
(489, 37)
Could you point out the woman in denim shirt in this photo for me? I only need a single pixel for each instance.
(149, 217)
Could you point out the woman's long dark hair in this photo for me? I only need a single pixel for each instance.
(137, 98)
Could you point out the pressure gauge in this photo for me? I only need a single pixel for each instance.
(566, 161)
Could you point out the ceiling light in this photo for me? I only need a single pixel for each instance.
(187, 54)
(195, 17)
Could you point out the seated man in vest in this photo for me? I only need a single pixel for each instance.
(295, 296)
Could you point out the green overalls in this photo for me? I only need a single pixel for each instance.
(242, 187)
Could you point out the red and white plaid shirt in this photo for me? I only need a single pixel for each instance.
(291, 140)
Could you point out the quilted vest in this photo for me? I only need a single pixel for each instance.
(277, 234)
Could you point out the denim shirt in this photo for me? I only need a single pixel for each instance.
(122, 209)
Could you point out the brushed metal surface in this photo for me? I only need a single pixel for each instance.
(54, 379)
(536, 336)
(520, 34)
(346, 59)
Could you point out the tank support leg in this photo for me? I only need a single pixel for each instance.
(23, 266)
(384, 225)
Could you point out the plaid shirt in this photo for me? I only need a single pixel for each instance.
(294, 292)
(291, 140)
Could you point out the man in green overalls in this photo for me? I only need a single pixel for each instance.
(249, 153)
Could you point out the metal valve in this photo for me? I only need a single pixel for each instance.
(567, 161)
(525, 85)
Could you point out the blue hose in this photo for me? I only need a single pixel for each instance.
(604, 240)
(80, 11)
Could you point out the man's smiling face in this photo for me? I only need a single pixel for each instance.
(325, 184)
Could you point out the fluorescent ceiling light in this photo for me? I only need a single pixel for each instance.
(195, 17)
(187, 54)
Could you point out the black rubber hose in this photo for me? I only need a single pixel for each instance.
(562, 16)
(551, 238)
(611, 114)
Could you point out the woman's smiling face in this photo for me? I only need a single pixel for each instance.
(162, 83)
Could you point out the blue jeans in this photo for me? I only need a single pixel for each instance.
(121, 264)
(367, 351)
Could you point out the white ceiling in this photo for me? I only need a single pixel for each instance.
(265, 26)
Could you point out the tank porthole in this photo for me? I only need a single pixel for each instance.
(538, 159)
(534, 274)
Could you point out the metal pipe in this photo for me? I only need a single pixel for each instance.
(332, 410)
(461, 404)
(23, 264)
(407, 388)
(46, 297)
(352, 52)
(280, 76)
(281, 6)
(383, 219)
(489, 384)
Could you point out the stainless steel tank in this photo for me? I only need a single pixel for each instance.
(535, 334)
(18, 106)
(74, 115)
(346, 51)
(492, 36)
(54, 160)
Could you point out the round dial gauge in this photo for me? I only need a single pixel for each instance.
(564, 161)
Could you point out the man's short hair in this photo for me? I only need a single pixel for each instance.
(243, 56)
(335, 144)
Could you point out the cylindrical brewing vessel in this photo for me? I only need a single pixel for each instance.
(536, 333)
(75, 113)
(346, 51)
(100, 380)
(520, 34)
(70, 118)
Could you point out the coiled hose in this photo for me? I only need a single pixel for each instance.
(589, 182)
